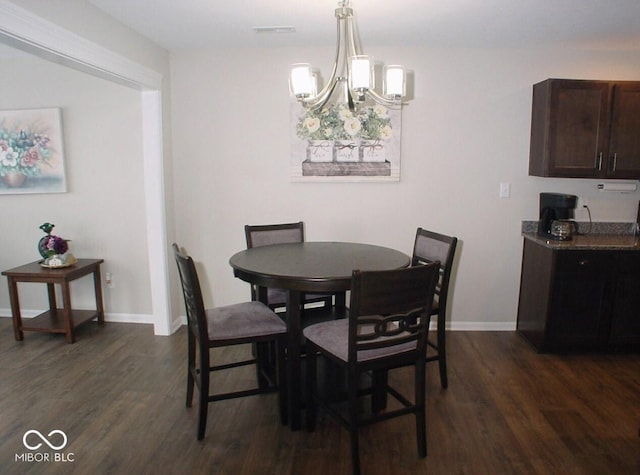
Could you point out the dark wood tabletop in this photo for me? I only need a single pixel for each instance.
(312, 266)
(34, 271)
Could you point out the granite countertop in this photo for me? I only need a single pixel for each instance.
(592, 236)
(590, 241)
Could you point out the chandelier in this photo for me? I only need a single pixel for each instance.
(352, 78)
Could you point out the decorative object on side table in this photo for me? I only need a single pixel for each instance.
(54, 249)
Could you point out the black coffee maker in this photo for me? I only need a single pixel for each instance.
(555, 207)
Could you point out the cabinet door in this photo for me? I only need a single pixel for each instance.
(625, 320)
(533, 301)
(579, 302)
(624, 144)
(578, 126)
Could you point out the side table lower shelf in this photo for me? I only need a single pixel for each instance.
(53, 322)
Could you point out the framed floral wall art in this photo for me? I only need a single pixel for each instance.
(338, 144)
(31, 153)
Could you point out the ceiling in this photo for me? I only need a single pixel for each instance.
(187, 24)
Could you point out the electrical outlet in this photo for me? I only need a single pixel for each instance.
(586, 211)
(582, 207)
(109, 280)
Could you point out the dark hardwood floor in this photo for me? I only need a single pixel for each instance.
(118, 395)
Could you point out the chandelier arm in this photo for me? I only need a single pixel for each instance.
(319, 102)
(349, 49)
(350, 103)
(356, 46)
(352, 49)
(391, 103)
(321, 98)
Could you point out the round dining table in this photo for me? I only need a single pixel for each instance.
(315, 267)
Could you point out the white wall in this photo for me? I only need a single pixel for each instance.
(96, 26)
(465, 132)
(103, 211)
(136, 62)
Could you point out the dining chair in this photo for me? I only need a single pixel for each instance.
(248, 322)
(264, 235)
(386, 329)
(430, 247)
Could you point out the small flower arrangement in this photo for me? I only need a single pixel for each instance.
(55, 245)
(54, 249)
(23, 151)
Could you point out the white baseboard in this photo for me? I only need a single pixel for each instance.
(108, 317)
(182, 320)
(177, 323)
(129, 318)
(482, 326)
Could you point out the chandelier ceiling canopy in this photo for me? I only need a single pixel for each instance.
(352, 78)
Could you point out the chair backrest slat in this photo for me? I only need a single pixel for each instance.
(390, 308)
(264, 235)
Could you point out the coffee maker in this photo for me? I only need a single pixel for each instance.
(555, 207)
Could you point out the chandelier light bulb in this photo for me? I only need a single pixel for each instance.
(302, 81)
(394, 82)
(361, 77)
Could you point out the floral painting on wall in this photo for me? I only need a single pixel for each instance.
(339, 144)
(31, 154)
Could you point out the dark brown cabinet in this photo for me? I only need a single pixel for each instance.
(625, 321)
(585, 300)
(585, 129)
(578, 300)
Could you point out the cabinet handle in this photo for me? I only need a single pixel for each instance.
(600, 161)
(584, 262)
(615, 161)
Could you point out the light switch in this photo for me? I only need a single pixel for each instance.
(505, 190)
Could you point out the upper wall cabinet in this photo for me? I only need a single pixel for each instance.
(585, 129)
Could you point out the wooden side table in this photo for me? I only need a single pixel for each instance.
(55, 320)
